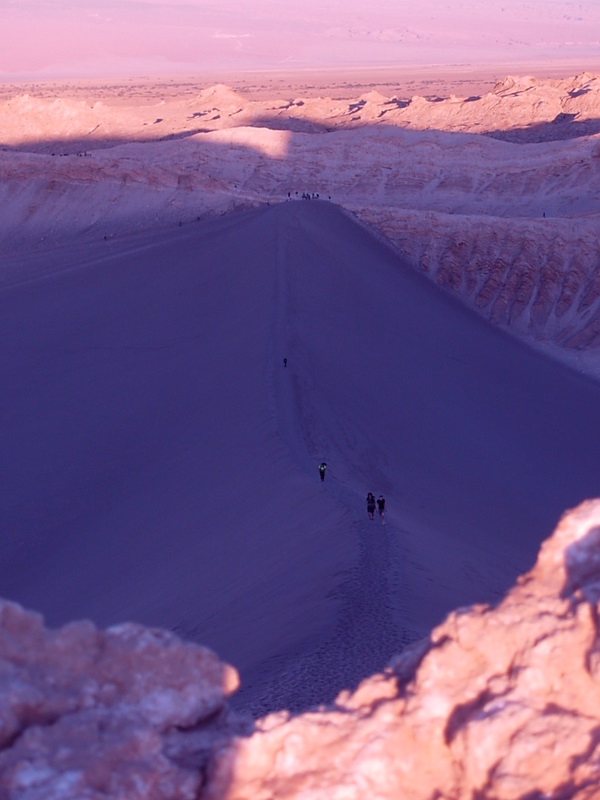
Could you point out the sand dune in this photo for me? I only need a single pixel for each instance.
(510, 226)
(160, 464)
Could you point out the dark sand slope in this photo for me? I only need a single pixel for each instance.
(158, 463)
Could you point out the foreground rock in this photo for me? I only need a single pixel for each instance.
(498, 703)
(121, 714)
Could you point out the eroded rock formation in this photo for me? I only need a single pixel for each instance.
(499, 703)
(535, 277)
(517, 109)
(125, 713)
(510, 226)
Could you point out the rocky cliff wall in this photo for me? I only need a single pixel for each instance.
(537, 277)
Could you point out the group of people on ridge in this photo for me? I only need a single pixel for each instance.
(371, 503)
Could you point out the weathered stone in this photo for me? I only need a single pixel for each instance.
(86, 713)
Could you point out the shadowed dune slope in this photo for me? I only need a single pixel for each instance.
(160, 464)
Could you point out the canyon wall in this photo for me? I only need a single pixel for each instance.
(537, 277)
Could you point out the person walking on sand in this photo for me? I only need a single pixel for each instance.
(371, 505)
(322, 468)
(381, 507)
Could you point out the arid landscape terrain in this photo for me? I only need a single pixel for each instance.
(209, 287)
(271, 84)
(507, 219)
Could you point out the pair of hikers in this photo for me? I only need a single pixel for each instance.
(371, 503)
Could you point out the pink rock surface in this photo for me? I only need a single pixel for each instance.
(85, 713)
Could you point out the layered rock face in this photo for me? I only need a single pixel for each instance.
(497, 703)
(538, 278)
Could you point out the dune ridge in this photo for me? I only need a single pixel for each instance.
(134, 469)
(506, 220)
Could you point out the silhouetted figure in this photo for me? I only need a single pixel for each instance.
(285, 362)
(381, 506)
(322, 468)
(371, 505)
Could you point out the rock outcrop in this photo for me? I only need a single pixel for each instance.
(499, 703)
(517, 109)
(125, 713)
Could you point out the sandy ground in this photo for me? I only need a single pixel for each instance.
(159, 463)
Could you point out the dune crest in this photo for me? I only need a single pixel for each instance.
(174, 373)
(506, 219)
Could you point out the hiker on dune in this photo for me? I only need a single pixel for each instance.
(381, 506)
(371, 505)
